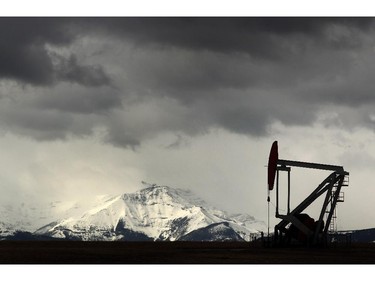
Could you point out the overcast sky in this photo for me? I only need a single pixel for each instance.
(94, 106)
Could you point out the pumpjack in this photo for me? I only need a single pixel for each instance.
(296, 226)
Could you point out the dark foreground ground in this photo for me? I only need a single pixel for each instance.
(74, 252)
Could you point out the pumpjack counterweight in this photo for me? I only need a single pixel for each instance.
(296, 226)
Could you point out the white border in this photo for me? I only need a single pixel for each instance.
(188, 8)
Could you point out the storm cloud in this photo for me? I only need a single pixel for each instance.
(25, 56)
(135, 78)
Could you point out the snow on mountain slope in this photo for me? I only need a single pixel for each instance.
(214, 232)
(158, 212)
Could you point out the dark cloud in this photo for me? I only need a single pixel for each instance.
(37, 124)
(76, 99)
(185, 75)
(259, 37)
(68, 69)
(25, 57)
(297, 51)
(120, 137)
(29, 65)
(46, 124)
(22, 49)
(65, 111)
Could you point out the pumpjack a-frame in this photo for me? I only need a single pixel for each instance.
(298, 226)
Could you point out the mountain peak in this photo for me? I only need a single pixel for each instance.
(155, 190)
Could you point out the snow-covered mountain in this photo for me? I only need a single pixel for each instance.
(155, 213)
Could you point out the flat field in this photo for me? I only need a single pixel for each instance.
(77, 252)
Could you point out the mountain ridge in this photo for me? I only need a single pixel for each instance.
(160, 213)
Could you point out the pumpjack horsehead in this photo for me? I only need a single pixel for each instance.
(296, 226)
